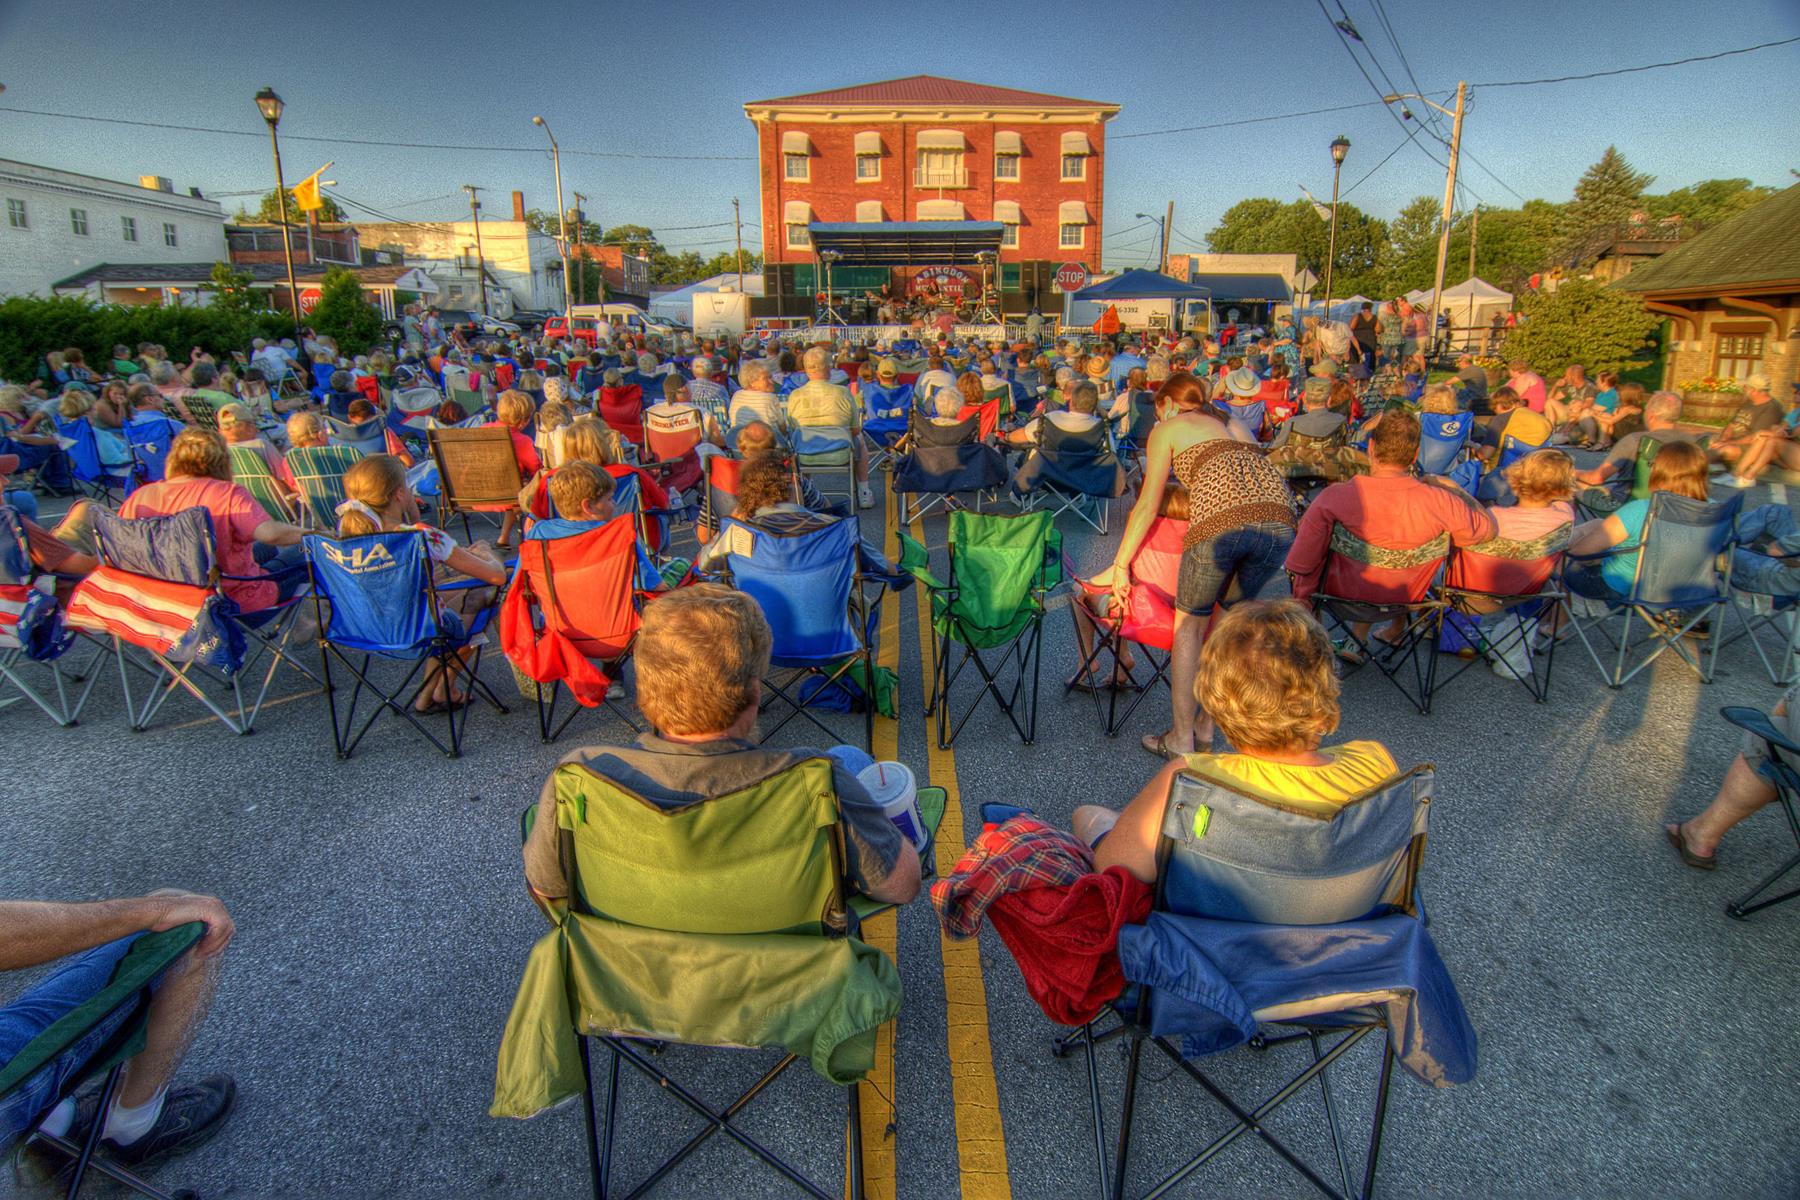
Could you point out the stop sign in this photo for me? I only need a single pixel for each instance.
(1071, 277)
(309, 298)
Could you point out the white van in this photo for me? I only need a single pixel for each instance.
(627, 316)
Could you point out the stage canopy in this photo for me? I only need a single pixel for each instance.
(1140, 284)
(906, 243)
(1245, 289)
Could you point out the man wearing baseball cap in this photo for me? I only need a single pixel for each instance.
(1757, 419)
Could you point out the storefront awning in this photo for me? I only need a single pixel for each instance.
(941, 139)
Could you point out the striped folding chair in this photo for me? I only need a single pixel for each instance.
(319, 473)
(251, 470)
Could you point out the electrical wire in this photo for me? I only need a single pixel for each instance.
(1311, 112)
(1128, 229)
(1398, 146)
(1675, 62)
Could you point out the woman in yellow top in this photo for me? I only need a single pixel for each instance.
(1267, 678)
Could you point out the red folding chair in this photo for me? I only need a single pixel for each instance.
(671, 440)
(1147, 621)
(989, 412)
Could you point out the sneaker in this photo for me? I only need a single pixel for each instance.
(865, 496)
(191, 1115)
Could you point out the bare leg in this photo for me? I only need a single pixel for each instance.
(1189, 728)
(176, 1013)
(1090, 821)
(1741, 793)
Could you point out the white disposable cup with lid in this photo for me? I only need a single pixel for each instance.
(893, 787)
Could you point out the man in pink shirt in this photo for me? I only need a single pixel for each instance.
(1529, 385)
(1389, 509)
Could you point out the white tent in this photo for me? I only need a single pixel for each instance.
(680, 302)
(1341, 310)
(1471, 306)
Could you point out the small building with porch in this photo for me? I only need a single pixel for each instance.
(1732, 297)
(387, 287)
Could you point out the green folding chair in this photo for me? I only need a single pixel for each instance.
(473, 402)
(726, 923)
(251, 471)
(319, 473)
(129, 989)
(1001, 569)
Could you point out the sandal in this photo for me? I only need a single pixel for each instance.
(1081, 683)
(1158, 744)
(1351, 653)
(1678, 839)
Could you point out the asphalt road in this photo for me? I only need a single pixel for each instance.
(1634, 1041)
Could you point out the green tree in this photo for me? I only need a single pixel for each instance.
(1510, 244)
(1707, 203)
(344, 313)
(1605, 196)
(231, 291)
(726, 261)
(269, 211)
(1581, 321)
(1408, 258)
(1264, 226)
(539, 221)
(639, 238)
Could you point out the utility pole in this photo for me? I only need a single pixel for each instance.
(480, 259)
(1168, 223)
(1437, 287)
(580, 259)
(1474, 232)
(737, 221)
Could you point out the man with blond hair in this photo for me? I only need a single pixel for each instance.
(700, 657)
(821, 404)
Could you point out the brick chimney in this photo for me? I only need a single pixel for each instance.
(519, 207)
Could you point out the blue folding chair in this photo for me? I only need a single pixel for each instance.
(1073, 471)
(941, 461)
(1250, 415)
(365, 437)
(159, 590)
(1678, 584)
(1272, 926)
(885, 418)
(822, 608)
(1784, 766)
(33, 640)
(149, 437)
(1442, 440)
(91, 475)
(375, 598)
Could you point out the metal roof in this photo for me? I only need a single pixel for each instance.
(932, 89)
(1758, 247)
(907, 243)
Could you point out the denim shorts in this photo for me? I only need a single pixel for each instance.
(1756, 751)
(74, 981)
(1231, 566)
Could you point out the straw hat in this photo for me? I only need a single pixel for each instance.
(1243, 383)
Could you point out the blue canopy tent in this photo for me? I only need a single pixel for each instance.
(1137, 284)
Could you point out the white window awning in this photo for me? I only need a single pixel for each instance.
(797, 212)
(869, 210)
(795, 142)
(941, 210)
(1007, 212)
(1073, 212)
(1076, 143)
(1007, 142)
(941, 139)
(868, 142)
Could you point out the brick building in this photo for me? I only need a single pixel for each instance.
(627, 275)
(924, 148)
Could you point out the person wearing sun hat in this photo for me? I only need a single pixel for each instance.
(1242, 386)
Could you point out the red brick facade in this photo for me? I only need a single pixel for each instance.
(897, 114)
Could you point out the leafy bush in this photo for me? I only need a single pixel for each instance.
(344, 313)
(1581, 321)
(31, 327)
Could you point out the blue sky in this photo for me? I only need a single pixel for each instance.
(666, 81)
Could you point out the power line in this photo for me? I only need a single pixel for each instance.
(1675, 62)
(1128, 229)
(349, 141)
(1432, 116)
(1311, 112)
(1398, 146)
(685, 228)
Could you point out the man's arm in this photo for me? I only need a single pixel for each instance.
(1468, 522)
(43, 931)
(1306, 557)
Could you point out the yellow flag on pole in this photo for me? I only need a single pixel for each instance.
(306, 193)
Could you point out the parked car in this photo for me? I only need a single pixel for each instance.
(533, 320)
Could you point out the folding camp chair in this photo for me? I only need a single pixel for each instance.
(1074, 470)
(365, 437)
(1784, 764)
(1140, 420)
(149, 438)
(1497, 593)
(726, 923)
(124, 1005)
(1233, 954)
(720, 474)
(886, 418)
(477, 472)
(1442, 440)
(1772, 625)
(411, 413)
(374, 596)
(33, 642)
(1679, 583)
(574, 598)
(822, 609)
(987, 415)
(942, 461)
(94, 477)
(1596, 502)
(250, 470)
(671, 444)
(319, 473)
(158, 590)
(1249, 416)
(1001, 568)
(1146, 621)
(820, 450)
(1408, 596)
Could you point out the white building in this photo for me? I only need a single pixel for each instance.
(58, 223)
(524, 264)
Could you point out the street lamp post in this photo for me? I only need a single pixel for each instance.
(1340, 146)
(1456, 122)
(270, 105)
(1162, 238)
(562, 220)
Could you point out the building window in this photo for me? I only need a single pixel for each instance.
(868, 167)
(169, 237)
(797, 168)
(1074, 166)
(15, 214)
(940, 168)
(1072, 236)
(1006, 168)
(799, 237)
(128, 228)
(1738, 355)
(1009, 236)
(78, 221)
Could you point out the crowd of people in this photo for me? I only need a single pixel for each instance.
(1257, 455)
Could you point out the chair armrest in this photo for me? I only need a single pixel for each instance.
(1754, 720)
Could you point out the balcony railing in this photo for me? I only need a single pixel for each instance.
(941, 177)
